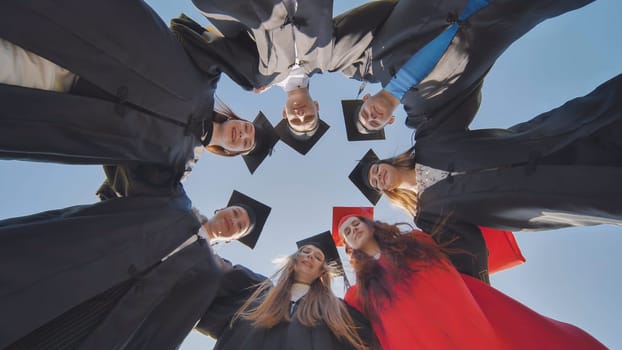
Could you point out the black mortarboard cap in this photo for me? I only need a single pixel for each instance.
(265, 139)
(350, 116)
(324, 241)
(359, 176)
(301, 143)
(257, 213)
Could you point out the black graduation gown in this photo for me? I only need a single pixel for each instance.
(469, 251)
(559, 169)
(145, 99)
(237, 286)
(323, 43)
(459, 73)
(91, 276)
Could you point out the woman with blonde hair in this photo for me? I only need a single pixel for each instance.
(298, 311)
(556, 170)
(415, 298)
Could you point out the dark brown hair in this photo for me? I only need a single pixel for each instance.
(222, 113)
(400, 248)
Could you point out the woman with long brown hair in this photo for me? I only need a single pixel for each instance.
(125, 95)
(415, 298)
(298, 311)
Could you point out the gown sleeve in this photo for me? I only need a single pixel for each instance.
(470, 254)
(237, 286)
(363, 327)
(139, 180)
(352, 32)
(219, 53)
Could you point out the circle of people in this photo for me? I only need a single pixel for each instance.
(139, 99)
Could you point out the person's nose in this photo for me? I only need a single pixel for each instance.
(299, 112)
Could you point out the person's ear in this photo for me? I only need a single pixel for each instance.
(317, 106)
(366, 96)
(284, 113)
(391, 120)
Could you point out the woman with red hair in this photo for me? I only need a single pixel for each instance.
(416, 299)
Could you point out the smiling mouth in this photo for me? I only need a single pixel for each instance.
(233, 134)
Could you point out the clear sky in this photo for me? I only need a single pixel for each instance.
(571, 275)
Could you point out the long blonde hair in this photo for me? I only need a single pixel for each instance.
(318, 305)
(399, 197)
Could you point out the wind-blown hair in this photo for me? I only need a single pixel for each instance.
(399, 197)
(318, 305)
(222, 113)
(401, 248)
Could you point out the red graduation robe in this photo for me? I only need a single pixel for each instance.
(438, 308)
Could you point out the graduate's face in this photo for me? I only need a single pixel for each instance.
(375, 113)
(301, 112)
(309, 264)
(238, 136)
(230, 223)
(384, 177)
(356, 233)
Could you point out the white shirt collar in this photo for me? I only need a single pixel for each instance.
(296, 79)
(299, 290)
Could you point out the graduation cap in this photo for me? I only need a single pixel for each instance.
(351, 110)
(257, 214)
(301, 142)
(359, 177)
(324, 242)
(265, 139)
(343, 213)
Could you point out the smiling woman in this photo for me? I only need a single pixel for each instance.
(298, 312)
(143, 262)
(415, 298)
(522, 178)
(115, 109)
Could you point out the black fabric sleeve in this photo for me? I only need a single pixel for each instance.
(237, 286)
(237, 57)
(363, 328)
(470, 254)
(353, 32)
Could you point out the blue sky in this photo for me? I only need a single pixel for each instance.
(571, 275)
